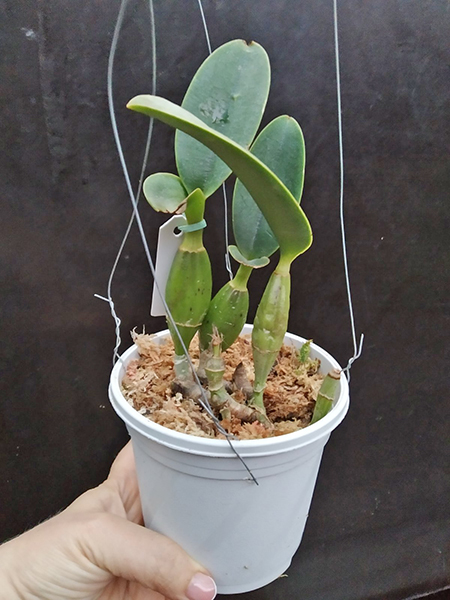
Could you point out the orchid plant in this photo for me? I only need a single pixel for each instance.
(216, 128)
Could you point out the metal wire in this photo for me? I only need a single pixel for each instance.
(134, 201)
(357, 350)
(109, 298)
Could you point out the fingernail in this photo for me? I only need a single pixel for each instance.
(201, 587)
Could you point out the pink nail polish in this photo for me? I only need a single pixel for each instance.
(201, 587)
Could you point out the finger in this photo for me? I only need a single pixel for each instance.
(123, 465)
(123, 476)
(118, 495)
(140, 555)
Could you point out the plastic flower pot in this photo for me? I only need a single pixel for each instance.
(196, 491)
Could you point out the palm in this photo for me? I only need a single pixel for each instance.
(97, 549)
(121, 498)
(74, 573)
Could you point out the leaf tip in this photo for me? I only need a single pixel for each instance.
(131, 104)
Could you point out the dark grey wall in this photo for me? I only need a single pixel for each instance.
(379, 524)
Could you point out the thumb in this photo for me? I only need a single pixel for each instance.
(137, 554)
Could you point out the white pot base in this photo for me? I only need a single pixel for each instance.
(195, 490)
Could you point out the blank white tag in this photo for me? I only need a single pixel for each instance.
(168, 244)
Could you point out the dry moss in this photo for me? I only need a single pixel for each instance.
(289, 398)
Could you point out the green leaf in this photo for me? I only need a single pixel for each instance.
(165, 193)
(285, 217)
(255, 263)
(228, 93)
(281, 147)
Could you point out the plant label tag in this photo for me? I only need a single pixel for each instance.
(168, 243)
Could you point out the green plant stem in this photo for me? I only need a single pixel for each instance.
(326, 395)
(270, 327)
(242, 276)
(188, 289)
(220, 399)
(227, 311)
(215, 369)
(182, 367)
(194, 213)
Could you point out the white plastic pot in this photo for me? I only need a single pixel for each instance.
(195, 490)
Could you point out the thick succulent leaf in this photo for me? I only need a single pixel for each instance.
(255, 263)
(281, 210)
(165, 193)
(281, 147)
(228, 93)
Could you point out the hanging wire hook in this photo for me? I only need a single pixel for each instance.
(109, 299)
(357, 350)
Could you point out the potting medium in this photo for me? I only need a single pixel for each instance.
(197, 492)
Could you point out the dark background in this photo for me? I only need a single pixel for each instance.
(379, 523)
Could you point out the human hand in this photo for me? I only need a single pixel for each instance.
(97, 549)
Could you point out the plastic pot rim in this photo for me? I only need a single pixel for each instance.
(221, 448)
